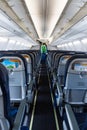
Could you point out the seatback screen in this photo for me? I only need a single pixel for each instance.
(80, 66)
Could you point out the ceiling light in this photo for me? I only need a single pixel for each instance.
(59, 46)
(76, 42)
(17, 43)
(45, 24)
(27, 45)
(65, 44)
(3, 39)
(22, 44)
(84, 40)
(12, 41)
(70, 43)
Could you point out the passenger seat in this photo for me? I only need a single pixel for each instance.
(17, 77)
(75, 88)
(5, 119)
(61, 67)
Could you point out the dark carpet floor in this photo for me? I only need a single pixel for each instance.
(44, 115)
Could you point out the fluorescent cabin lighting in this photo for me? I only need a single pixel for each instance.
(76, 42)
(3, 39)
(12, 41)
(59, 46)
(22, 44)
(57, 8)
(62, 45)
(70, 43)
(18, 43)
(84, 40)
(65, 44)
(45, 14)
(27, 45)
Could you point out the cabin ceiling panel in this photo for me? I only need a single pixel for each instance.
(9, 29)
(9, 12)
(20, 10)
(74, 6)
(45, 14)
(44, 19)
(14, 21)
(78, 31)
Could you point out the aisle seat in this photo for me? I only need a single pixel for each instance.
(29, 67)
(4, 99)
(17, 77)
(61, 67)
(75, 90)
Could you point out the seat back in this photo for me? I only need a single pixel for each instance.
(32, 59)
(29, 67)
(61, 68)
(75, 90)
(56, 58)
(4, 99)
(17, 77)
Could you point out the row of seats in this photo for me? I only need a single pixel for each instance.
(72, 79)
(16, 74)
(75, 86)
(5, 120)
(71, 86)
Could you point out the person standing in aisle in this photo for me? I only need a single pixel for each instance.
(43, 53)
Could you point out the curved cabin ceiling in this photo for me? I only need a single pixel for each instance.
(57, 22)
(45, 14)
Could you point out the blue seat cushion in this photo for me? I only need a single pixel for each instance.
(82, 120)
(24, 128)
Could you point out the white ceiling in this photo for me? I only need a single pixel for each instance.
(77, 32)
(45, 14)
(57, 21)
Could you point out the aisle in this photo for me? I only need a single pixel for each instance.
(44, 114)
